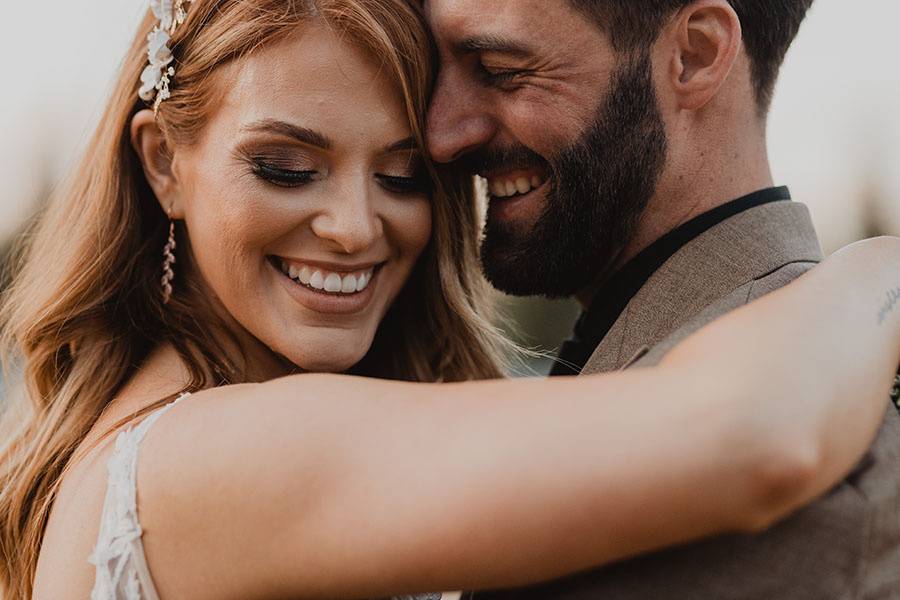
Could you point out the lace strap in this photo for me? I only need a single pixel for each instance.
(121, 569)
(122, 465)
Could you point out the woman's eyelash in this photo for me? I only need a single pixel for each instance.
(405, 185)
(282, 177)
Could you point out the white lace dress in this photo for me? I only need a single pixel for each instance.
(120, 565)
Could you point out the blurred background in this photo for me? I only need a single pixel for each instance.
(834, 127)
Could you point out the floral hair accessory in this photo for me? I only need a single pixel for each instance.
(157, 75)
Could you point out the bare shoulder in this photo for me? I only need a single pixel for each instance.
(278, 467)
(213, 476)
(205, 447)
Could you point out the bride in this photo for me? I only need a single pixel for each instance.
(173, 440)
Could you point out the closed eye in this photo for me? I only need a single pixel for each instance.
(419, 184)
(282, 177)
(497, 77)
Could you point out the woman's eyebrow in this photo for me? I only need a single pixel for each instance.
(314, 138)
(404, 144)
(301, 134)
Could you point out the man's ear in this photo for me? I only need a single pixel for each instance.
(149, 142)
(707, 38)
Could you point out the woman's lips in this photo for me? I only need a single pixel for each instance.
(326, 302)
(343, 281)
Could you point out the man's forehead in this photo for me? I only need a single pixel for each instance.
(460, 18)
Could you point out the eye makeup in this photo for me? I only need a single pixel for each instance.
(405, 176)
(278, 165)
(399, 173)
(282, 177)
(419, 184)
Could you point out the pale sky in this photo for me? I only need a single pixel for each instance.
(834, 129)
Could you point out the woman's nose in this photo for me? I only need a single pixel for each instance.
(350, 221)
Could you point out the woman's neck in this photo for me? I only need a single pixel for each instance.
(255, 362)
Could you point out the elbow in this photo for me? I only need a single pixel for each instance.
(783, 480)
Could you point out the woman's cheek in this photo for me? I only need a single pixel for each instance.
(419, 227)
(229, 239)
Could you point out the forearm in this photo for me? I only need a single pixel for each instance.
(506, 483)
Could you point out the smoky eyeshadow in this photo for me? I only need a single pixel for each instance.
(407, 165)
(277, 157)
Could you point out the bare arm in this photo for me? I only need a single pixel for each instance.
(333, 487)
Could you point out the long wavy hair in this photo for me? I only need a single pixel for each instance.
(84, 309)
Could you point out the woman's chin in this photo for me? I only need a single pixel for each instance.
(328, 369)
(320, 348)
(327, 362)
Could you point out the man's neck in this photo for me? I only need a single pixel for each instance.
(680, 199)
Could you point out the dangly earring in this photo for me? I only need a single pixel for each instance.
(168, 263)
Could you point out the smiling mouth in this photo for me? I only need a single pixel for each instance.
(327, 282)
(515, 183)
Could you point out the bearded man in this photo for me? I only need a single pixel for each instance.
(624, 148)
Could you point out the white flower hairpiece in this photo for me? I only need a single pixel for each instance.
(157, 75)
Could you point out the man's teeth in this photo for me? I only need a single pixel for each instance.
(504, 188)
(327, 281)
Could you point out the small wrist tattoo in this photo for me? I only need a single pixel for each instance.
(893, 298)
(895, 393)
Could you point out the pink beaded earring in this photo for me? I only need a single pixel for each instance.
(168, 263)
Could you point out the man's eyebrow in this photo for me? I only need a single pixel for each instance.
(494, 43)
(301, 134)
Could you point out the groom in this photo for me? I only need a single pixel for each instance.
(624, 147)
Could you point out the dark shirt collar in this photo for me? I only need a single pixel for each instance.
(612, 298)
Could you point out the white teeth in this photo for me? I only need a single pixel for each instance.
(317, 282)
(521, 185)
(331, 282)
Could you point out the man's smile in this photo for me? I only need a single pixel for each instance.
(514, 183)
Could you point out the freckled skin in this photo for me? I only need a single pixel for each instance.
(236, 220)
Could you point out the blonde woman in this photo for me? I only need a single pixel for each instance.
(172, 442)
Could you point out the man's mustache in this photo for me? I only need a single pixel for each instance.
(509, 158)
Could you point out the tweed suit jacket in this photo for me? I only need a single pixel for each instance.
(844, 546)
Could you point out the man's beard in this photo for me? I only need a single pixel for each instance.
(599, 188)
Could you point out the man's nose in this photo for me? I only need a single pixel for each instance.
(458, 119)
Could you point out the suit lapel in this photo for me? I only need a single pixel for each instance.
(739, 250)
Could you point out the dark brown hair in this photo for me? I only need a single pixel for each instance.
(769, 27)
